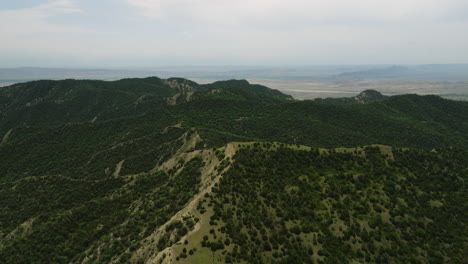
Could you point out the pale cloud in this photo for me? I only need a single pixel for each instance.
(325, 11)
(150, 9)
(34, 20)
(200, 32)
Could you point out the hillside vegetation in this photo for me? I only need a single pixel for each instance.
(170, 171)
(280, 204)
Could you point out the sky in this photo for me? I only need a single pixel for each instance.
(147, 33)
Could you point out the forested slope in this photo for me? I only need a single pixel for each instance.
(145, 170)
(284, 204)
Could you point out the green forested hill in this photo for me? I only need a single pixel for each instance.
(145, 170)
(283, 204)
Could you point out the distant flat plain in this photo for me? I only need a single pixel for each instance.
(347, 87)
(448, 81)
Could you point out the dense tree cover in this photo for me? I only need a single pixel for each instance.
(235, 107)
(42, 103)
(100, 221)
(406, 121)
(79, 177)
(88, 150)
(280, 205)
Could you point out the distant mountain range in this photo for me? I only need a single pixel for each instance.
(410, 72)
(388, 72)
(414, 72)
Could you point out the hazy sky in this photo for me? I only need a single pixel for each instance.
(119, 33)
